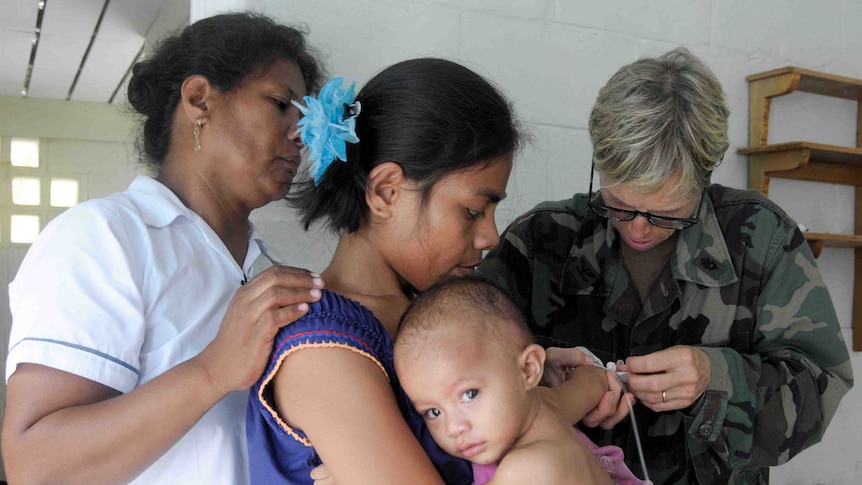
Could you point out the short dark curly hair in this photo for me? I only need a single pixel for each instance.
(223, 48)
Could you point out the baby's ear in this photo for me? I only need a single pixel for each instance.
(532, 363)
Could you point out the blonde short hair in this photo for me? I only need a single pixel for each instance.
(658, 118)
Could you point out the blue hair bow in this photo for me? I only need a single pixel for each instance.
(328, 124)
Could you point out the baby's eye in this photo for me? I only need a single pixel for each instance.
(469, 395)
(432, 413)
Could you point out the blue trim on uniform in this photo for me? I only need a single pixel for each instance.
(80, 347)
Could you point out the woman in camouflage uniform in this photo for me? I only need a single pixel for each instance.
(710, 295)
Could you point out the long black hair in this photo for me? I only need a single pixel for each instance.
(431, 116)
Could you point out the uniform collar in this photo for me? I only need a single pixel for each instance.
(701, 255)
(159, 207)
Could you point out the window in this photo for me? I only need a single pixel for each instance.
(26, 190)
(25, 228)
(36, 196)
(25, 152)
(64, 192)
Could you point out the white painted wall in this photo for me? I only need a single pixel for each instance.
(552, 56)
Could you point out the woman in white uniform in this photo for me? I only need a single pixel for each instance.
(141, 319)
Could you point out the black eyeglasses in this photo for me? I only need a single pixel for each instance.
(623, 215)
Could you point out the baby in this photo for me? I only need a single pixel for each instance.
(467, 361)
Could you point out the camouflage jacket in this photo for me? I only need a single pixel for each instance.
(742, 285)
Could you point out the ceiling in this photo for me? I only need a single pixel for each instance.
(83, 51)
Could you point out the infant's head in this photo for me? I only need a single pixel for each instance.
(465, 357)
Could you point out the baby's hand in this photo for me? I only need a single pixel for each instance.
(321, 476)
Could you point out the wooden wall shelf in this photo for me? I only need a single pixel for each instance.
(808, 161)
(820, 240)
(815, 82)
(804, 161)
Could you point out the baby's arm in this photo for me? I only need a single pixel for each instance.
(611, 408)
(581, 393)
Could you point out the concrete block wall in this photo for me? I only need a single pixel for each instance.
(552, 56)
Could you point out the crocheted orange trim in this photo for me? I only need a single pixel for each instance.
(289, 430)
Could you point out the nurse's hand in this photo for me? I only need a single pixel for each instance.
(669, 379)
(276, 297)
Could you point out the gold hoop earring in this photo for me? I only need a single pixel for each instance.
(197, 135)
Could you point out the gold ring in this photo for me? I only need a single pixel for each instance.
(663, 396)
